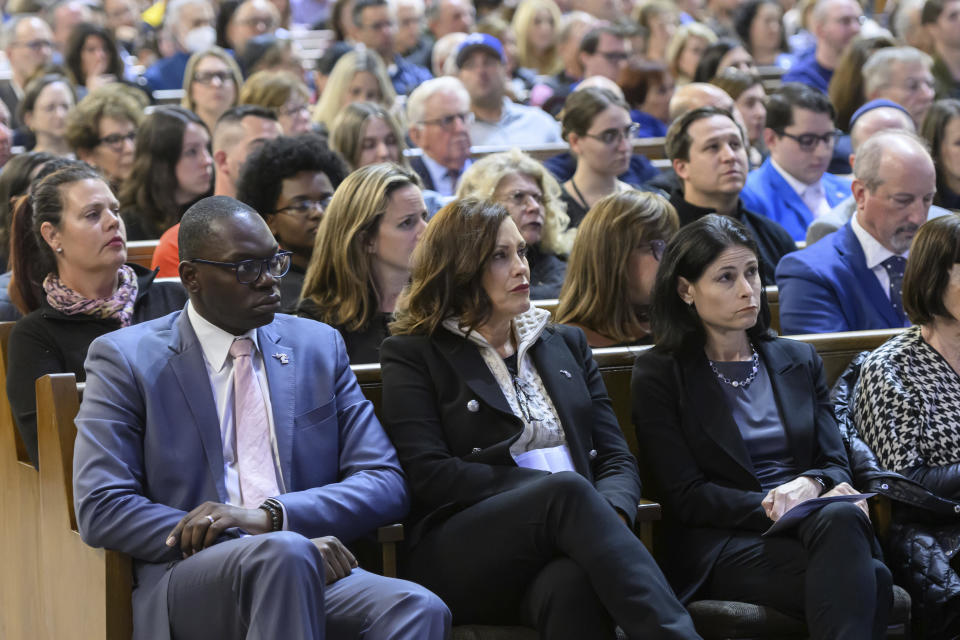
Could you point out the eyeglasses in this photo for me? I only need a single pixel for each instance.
(302, 208)
(614, 136)
(36, 45)
(207, 77)
(614, 57)
(448, 122)
(809, 141)
(849, 21)
(293, 110)
(256, 22)
(249, 271)
(380, 25)
(519, 198)
(657, 247)
(115, 140)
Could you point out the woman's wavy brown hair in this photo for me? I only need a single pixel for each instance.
(594, 293)
(448, 266)
(339, 280)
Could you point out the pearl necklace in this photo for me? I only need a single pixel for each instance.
(739, 383)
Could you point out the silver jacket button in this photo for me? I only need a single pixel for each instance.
(473, 406)
(592, 454)
(475, 450)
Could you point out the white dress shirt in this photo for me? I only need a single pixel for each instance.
(215, 343)
(813, 195)
(875, 253)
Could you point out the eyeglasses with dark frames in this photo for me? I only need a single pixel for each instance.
(809, 141)
(614, 136)
(614, 57)
(249, 271)
(302, 208)
(115, 140)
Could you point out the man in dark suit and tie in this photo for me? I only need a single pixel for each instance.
(232, 454)
(851, 279)
(439, 115)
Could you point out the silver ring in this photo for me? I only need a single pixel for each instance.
(210, 518)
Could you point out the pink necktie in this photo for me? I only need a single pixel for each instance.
(258, 477)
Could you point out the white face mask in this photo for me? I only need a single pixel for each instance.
(199, 39)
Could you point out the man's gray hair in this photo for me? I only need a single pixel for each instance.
(8, 32)
(866, 166)
(877, 71)
(416, 103)
(171, 18)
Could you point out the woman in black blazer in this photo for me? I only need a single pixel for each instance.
(523, 487)
(737, 428)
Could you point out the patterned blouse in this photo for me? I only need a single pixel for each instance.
(907, 404)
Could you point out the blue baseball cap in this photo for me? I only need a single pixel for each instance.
(478, 41)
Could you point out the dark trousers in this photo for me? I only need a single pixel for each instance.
(828, 573)
(553, 555)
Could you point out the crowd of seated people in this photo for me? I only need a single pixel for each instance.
(473, 196)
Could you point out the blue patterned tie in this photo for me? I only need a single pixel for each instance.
(895, 266)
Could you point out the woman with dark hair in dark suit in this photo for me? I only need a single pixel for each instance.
(522, 485)
(737, 428)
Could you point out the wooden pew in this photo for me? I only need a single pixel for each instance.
(652, 148)
(616, 365)
(20, 613)
(141, 251)
(773, 299)
(86, 591)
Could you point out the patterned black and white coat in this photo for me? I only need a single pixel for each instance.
(907, 408)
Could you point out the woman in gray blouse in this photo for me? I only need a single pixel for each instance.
(737, 429)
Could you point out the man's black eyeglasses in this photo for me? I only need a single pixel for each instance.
(809, 141)
(248, 271)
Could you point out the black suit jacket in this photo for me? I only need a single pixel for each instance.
(9, 96)
(454, 457)
(701, 469)
(417, 164)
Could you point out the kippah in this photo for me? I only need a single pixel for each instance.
(876, 104)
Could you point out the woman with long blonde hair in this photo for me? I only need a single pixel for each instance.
(366, 133)
(361, 258)
(536, 24)
(358, 76)
(613, 266)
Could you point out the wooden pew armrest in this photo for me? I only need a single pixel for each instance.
(388, 536)
(648, 511)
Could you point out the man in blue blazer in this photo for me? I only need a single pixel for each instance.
(164, 470)
(792, 186)
(851, 279)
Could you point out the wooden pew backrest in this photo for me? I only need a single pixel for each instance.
(141, 252)
(773, 299)
(20, 582)
(89, 593)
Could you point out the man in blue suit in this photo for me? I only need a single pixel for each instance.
(188, 421)
(792, 186)
(851, 280)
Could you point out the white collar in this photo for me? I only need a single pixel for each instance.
(527, 327)
(214, 341)
(874, 252)
(796, 185)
